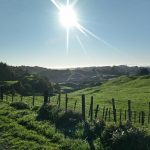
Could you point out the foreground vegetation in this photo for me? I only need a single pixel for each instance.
(21, 130)
(48, 127)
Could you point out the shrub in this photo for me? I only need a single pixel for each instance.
(99, 127)
(68, 119)
(20, 105)
(48, 112)
(125, 137)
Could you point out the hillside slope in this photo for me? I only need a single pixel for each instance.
(124, 88)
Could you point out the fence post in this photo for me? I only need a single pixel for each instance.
(143, 115)
(114, 110)
(83, 107)
(109, 114)
(134, 116)
(33, 99)
(103, 112)
(49, 99)
(75, 104)
(91, 109)
(125, 115)
(129, 110)
(96, 111)
(66, 103)
(120, 116)
(59, 99)
(21, 98)
(139, 117)
(149, 114)
(106, 113)
(1, 93)
(45, 97)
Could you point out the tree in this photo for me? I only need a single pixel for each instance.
(143, 71)
(57, 88)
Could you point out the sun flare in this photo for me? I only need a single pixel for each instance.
(68, 17)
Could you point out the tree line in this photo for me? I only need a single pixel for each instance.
(24, 83)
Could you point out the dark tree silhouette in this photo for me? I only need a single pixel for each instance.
(143, 71)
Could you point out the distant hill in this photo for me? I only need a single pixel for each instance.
(74, 79)
(76, 75)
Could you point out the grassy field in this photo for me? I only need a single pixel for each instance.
(122, 89)
(20, 130)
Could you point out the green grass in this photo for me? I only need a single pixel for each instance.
(122, 89)
(19, 129)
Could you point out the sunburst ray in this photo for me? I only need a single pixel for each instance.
(69, 22)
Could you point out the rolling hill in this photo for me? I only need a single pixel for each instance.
(122, 89)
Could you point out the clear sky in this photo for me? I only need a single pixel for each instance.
(31, 33)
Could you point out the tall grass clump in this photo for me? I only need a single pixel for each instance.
(20, 105)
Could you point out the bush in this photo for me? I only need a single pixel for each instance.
(68, 119)
(48, 112)
(99, 127)
(125, 137)
(20, 105)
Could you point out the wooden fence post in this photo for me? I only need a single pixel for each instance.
(59, 99)
(134, 116)
(83, 107)
(21, 98)
(139, 117)
(66, 103)
(45, 97)
(109, 114)
(96, 111)
(129, 110)
(120, 116)
(143, 116)
(114, 110)
(149, 114)
(103, 112)
(75, 104)
(49, 99)
(91, 109)
(125, 115)
(106, 113)
(33, 99)
(1, 93)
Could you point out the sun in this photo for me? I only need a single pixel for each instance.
(68, 17)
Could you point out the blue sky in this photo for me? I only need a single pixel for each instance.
(31, 33)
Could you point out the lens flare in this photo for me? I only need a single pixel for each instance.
(68, 18)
